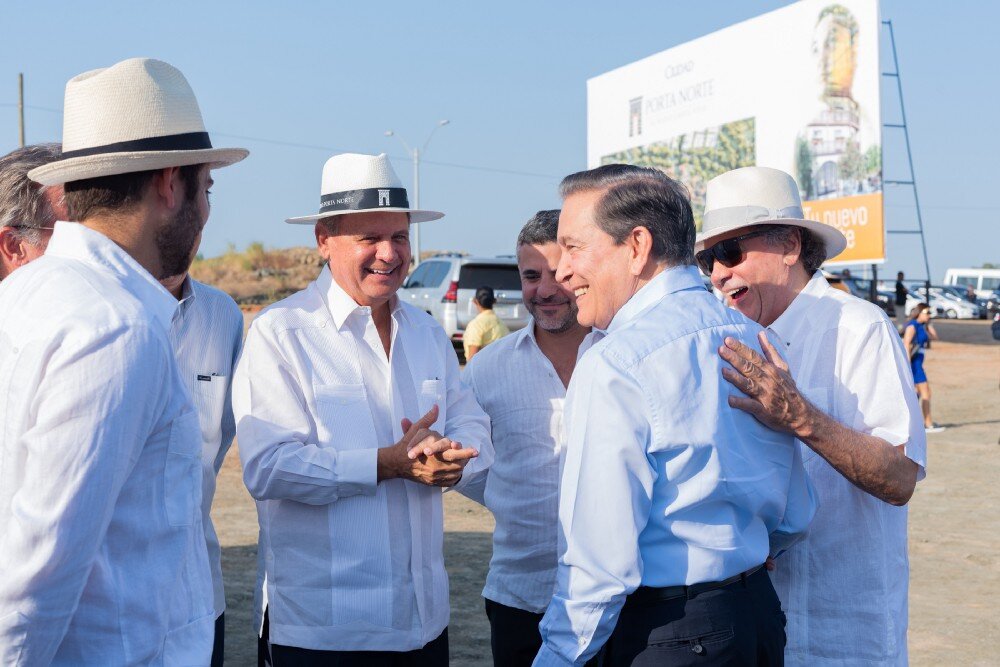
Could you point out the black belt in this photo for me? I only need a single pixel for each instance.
(647, 594)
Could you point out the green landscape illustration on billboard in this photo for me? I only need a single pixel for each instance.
(697, 157)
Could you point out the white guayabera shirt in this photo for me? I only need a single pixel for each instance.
(104, 559)
(206, 334)
(844, 587)
(523, 395)
(347, 563)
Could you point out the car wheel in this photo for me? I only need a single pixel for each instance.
(951, 314)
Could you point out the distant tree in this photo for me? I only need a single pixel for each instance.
(804, 167)
(873, 160)
(990, 265)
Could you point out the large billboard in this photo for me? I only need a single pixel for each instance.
(796, 89)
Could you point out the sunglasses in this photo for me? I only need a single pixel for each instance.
(729, 253)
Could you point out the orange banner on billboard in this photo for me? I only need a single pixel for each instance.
(860, 219)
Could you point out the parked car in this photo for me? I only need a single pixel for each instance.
(860, 287)
(445, 285)
(950, 305)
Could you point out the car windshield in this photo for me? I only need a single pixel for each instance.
(501, 277)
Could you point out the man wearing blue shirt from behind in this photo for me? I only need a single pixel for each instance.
(671, 501)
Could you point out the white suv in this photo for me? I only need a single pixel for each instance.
(445, 285)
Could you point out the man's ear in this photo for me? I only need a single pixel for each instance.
(791, 247)
(640, 244)
(11, 251)
(169, 187)
(322, 234)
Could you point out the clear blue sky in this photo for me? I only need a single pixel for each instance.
(297, 81)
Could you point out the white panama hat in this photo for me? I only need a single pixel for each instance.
(137, 115)
(357, 183)
(753, 196)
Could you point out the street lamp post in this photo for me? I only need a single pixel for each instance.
(415, 154)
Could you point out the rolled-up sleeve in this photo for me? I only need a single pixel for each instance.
(274, 427)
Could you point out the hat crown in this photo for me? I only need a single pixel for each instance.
(137, 98)
(753, 186)
(355, 171)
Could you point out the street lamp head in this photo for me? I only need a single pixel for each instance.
(442, 123)
(389, 133)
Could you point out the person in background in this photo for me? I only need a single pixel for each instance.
(28, 211)
(520, 381)
(207, 334)
(917, 335)
(845, 393)
(485, 327)
(901, 293)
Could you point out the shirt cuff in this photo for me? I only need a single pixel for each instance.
(547, 657)
(357, 472)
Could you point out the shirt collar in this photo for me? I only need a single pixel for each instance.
(668, 281)
(75, 241)
(789, 322)
(522, 336)
(341, 305)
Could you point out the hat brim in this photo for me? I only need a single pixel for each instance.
(112, 164)
(415, 215)
(834, 241)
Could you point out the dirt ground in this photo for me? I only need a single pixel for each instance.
(954, 530)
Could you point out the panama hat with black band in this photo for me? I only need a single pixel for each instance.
(753, 196)
(137, 115)
(356, 183)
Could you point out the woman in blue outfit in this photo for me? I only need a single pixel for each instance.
(916, 336)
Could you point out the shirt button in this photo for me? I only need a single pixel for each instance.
(698, 648)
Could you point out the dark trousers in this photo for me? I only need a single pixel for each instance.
(433, 654)
(220, 640)
(514, 635)
(739, 624)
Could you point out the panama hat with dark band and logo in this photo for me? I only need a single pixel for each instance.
(752, 196)
(137, 115)
(357, 183)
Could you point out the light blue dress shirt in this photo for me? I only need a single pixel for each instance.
(664, 484)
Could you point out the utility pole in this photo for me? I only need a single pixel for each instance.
(415, 154)
(20, 107)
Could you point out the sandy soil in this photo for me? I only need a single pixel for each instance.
(954, 528)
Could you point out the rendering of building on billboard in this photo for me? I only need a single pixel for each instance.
(796, 89)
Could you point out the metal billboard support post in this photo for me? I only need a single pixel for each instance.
(909, 157)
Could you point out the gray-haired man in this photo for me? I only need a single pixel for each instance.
(28, 210)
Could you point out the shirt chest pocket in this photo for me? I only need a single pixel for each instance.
(431, 394)
(209, 394)
(343, 418)
(182, 473)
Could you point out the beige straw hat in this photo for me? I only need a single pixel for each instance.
(753, 196)
(357, 183)
(137, 115)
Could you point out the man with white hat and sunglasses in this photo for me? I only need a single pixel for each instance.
(341, 397)
(100, 498)
(835, 375)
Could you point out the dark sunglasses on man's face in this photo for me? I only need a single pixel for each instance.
(729, 253)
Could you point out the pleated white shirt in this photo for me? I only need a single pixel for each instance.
(844, 586)
(103, 552)
(519, 389)
(207, 334)
(347, 563)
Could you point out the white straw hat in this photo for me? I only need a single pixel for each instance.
(137, 115)
(753, 196)
(357, 183)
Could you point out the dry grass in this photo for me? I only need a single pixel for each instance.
(259, 275)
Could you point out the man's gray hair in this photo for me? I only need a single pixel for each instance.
(812, 251)
(541, 229)
(23, 204)
(640, 197)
